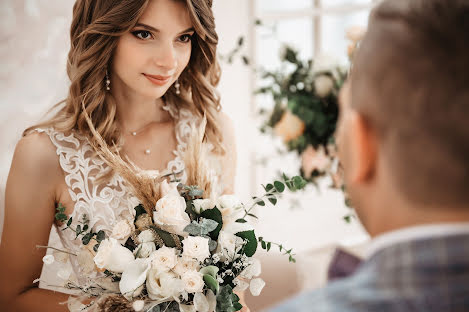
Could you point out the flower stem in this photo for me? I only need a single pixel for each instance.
(64, 251)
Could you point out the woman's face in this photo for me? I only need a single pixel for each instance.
(149, 59)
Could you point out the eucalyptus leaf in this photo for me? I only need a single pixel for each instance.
(210, 270)
(251, 246)
(211, 283)
(279, 186)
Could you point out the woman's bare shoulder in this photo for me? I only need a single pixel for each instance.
(36, 156)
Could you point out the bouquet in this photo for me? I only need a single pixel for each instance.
(185, 249)
(305, 112)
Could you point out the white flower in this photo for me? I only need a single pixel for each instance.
(163, 285)
(230, 207)
(202, 205)
(138, 305)
(144, 250)
(164, 259)
(253, 270)
(228, 244)
(49, 259)
(121, 231)
(256, 286)
(146, 236)
(170, 214)
(185, 264)
(168, 188)
(205, 303)
(236, 227)
(112, 256)
(193, 281)
(133, 278)
(323, 85)
(196, 248)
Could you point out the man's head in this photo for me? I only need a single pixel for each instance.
(404, 126)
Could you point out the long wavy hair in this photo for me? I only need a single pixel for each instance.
(95, 30)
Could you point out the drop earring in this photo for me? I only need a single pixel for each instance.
(177, 86)
(108, 82)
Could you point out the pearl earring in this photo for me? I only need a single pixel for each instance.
(177, 85)
(108, 82)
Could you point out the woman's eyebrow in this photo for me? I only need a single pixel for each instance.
(148, 27)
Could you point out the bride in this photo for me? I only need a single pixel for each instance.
(145, 71)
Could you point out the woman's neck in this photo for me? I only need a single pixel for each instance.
(135, 112)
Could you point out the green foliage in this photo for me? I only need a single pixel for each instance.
(215, 215)
(268, 245)
(251, 245)
(211, 283)
(165, 236)
(201, 228)
(225, 300)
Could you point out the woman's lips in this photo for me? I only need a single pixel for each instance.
(158, 80)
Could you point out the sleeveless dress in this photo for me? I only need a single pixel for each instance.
(103, 204)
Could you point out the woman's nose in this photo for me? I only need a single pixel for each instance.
(166, 57)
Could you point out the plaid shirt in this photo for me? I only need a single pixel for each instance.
(429, 275)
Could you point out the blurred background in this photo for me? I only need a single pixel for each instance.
(34, 46)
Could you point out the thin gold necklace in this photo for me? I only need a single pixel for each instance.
(147, 151)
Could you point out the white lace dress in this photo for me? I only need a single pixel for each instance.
(103, 204)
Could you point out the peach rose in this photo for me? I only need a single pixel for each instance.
(290, 127)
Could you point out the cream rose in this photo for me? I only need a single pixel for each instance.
(323, 85)
(162, 285)
(164, 259)
(113, 256)
(193, 282)
(185, 264)
(202, 205)
(170, 214)
(196, 248)
(121, 231)
(168, 188)
(230, 207)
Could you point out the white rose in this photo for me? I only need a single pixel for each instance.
(49, 259)
(256, 286)
(202, 205)
(323, 85)
(170, 214)
(193, 282)
(163, 285)
(121, 231)
(113, 256)
(196, 248)
(133, 278)
(185, 264)
(168, 188)
(253, 270)
(230, 207)
(164, 259)
(228, 244)
(144, 250)
(146, 236)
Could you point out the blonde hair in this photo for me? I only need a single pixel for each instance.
(95, 29)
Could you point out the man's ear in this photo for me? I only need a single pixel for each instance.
(364, 149)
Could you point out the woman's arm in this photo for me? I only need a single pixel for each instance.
(30, 198)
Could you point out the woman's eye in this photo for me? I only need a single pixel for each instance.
(142, 34)
(185, 38)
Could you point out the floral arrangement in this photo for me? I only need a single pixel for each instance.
(185, 249)
(305, 111)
